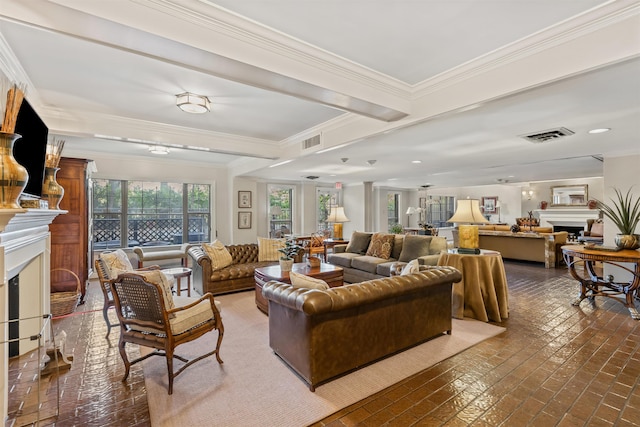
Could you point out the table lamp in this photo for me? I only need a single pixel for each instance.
(468, 215)
(337, 217)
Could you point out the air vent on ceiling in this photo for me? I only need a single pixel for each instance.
(309, 143)
(312, 177)
(548, 135)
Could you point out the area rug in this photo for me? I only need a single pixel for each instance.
(255, 388)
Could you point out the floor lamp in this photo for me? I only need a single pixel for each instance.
(468, 215)
(337, 217)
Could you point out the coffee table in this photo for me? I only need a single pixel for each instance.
(331, 274)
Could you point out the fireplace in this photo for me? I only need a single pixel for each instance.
(25, 248)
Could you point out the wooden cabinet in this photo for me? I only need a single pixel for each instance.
(70, 232)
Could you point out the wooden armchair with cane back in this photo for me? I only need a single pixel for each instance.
(151, 316)
(108, 266)
(316, 244)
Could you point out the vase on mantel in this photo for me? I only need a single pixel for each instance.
(52, 192)
(13, 176)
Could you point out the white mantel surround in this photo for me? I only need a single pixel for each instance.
(566, 217)
(25, 250)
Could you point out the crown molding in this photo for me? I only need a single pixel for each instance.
(607, 15)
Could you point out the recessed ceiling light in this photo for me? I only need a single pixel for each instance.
(416, 161)
(600, 130)
(158, 149)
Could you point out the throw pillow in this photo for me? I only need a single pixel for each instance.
(301, 281)
(159, 278)
(218, 253)
(597, 229)
(116, 262)
(411, 267)
(359, 243)
(381, 245)
(414, 247)
(268, 249)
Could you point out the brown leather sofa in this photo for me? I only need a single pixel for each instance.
(323, 334)
(237, 276)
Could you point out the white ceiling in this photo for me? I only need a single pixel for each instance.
(453, 84)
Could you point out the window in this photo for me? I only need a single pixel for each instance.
(439, 209)
(393, 202)
(326, 198)
(280, 210)
(156, 213)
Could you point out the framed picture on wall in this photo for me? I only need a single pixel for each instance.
(244, 220)
(244, 199)
(489, 204)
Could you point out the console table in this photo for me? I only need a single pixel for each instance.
(592, 285)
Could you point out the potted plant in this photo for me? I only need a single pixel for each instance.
(625, 214)
(396, 229)
(290, 250)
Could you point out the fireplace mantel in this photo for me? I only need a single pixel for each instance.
(25, 250)
(568, 217)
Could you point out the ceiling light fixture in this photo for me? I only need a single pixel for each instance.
(416, 161)
(600, 130)
(371, 162)
(192, 103)
(158, 149)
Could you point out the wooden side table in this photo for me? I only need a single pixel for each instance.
(592, 285)
(178, 273)
(330, 243)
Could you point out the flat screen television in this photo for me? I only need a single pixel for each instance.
(31, 149)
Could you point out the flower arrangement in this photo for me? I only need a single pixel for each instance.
(54, 151)
(290, 250)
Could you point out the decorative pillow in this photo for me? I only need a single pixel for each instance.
(268, 249)
(159, 278)
(381, 245)
(414, 247)
(411, 267)
(301, 281)
(219, 254)
(116, 262)
(359, 243)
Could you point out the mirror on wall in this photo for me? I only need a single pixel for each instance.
(569, 195)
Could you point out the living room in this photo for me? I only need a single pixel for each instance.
(463, 118)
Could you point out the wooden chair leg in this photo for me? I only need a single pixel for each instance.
(169, 355)
(125, 359)
(105, 314)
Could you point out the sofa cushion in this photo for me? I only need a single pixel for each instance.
(268, 249)
(414, 247)
(380, 245)
(384, 269)
(359, 243)
(367, 263)
(397, 246)
(218, 253)
(301, 281)
(597, 229)
(342, 259)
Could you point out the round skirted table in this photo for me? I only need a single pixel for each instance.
(482, 293)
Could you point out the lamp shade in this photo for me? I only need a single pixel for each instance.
(337, 215)
(411, 210)
(468, 212)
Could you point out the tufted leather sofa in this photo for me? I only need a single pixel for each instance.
(237, 276)
(323, 334)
